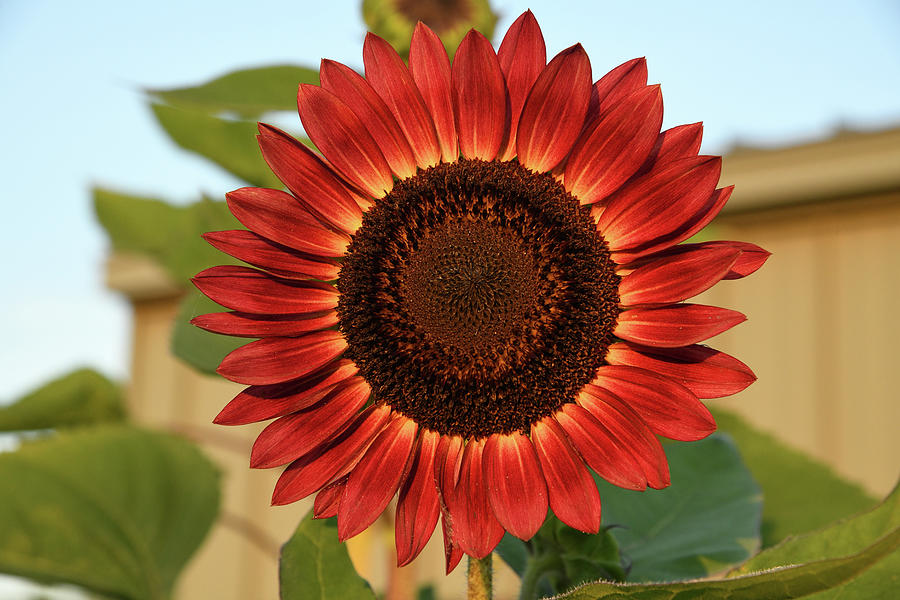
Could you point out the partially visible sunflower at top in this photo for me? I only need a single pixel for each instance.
(476, 292)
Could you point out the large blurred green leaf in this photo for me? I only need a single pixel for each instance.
(314, 565)
(248, 93)
(82, 397)
(200, 349)
(826, 560)
(228, 143)
(167, 233)
(114, 509)
(705, 521)
(795, 487)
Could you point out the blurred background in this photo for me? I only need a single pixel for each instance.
(803, 98)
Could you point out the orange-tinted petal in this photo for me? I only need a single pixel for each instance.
(554, 111)
(327, 462)
(417, 505)
(479, 98)
(290, 437)
(277, 216)
(522, 56)
(263, 402)
(328, 499)
(257, 326)
(274, 258)
(572, 491)
(515, 483)
(615, 146)
(309, 179)
(429, 66)
(388, 74)
(669, 409)
(375, 480)
(625, 79)
(344, 140)
(274, 360)
(677, 325)
(706, 372)
(356, 93)
(250, 291)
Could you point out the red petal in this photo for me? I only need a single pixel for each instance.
(612, 149)
(257, 326)
(628, 427)
(251, 291)
(290, 437)
(262, 402)
(328, 499)
(573, 493)
(678, 142)
(474, 526)
(313, 183)
(752, 257)
(274, 258)
(699, 217)
(430, 69)
(479, 98)
(309, 473)
(274, 360)
(355, 91)
(600, 449)
(522, 57)
(452, 552)
(675, 278)
(374, 481)
(653, 207)
(278, 216)
(625, 79)
(669, 409)
(673, 326)
(516, 486)
(388, 74)
(554, 111)
(341, 136)
(707, 373)
(417, 507)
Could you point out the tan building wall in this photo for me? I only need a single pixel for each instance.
(822, 337)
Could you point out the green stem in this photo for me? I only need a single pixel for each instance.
(480, 576)
(534, 569)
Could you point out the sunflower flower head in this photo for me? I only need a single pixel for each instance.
(475, 293)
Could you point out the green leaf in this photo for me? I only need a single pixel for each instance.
(167, 233)
(249, 93)
(849, 535)
(792, 484)
(707, 520)
(826, 561)
(228, 143)
(200, 349)
(114, 509)
(82, 397)
(315, 565)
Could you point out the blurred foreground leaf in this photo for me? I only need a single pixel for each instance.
(167, 233)
(800, 494)
(707, 520)
(825, 560)
(200, 349)
(315, 565)
(248, 93)
(82, 397)
(230, 144)
(114, 509)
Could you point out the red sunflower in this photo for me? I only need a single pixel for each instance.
(475, 293)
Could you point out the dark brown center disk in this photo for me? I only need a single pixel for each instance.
(477, 298)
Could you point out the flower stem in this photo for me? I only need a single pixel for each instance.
(480, 578)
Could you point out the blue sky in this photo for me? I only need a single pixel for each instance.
(762, 73)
